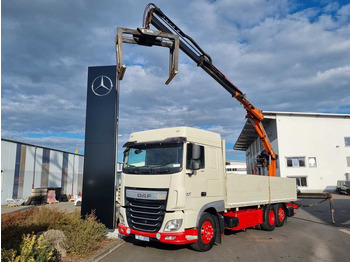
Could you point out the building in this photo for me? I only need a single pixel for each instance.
(313, 148)
(26, 166)
(236, 167)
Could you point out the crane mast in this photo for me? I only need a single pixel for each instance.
(153, 15)
(160, 21)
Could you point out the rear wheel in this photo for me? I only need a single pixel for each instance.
(206, 233)
(281, 215)
(269, 223)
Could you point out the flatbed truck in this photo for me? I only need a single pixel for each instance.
(175, 190)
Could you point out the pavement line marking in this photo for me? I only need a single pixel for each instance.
(344, 230)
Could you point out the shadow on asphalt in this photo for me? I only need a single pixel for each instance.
(322, 212)
(312, 221)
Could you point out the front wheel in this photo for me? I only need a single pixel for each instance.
(206, 233)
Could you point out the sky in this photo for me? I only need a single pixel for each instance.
(284, 55)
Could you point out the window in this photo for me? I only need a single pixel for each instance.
(301, 181)
(295, 161)
(348, 161)
(189, 157)
(347, 141)
(312, 162)
(153, 159)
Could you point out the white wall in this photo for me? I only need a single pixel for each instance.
(72, 178)
(55, 169)
(314, 136)
(8, 161)
(29, 160)
(28, 173)
(38, 167)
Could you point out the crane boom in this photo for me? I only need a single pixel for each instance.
(163, 23)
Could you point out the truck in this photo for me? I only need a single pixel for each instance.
(174, 189)
(174, 185)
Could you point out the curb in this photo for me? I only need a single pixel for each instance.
(106, 251)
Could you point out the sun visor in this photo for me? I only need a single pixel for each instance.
(170, 140)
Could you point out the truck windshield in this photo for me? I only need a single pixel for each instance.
(153, 159)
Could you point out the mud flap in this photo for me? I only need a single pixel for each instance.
(219, 225)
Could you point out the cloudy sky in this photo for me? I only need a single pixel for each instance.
(285, 55)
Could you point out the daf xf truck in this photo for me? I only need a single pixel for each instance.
(174, 189)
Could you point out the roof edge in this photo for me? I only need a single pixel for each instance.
(266, 113)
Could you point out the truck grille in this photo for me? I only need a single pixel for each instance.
(145, 215)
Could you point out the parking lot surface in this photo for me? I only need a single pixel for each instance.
(308, 236)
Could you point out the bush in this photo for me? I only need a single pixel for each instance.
(83, 235)
(13, 227)
(46, 217)
(32, 249)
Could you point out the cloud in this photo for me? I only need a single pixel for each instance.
(286, 56)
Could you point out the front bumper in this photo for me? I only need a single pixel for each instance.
(179, 238)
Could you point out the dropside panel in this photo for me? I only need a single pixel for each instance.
(246, 190)
(252, 190)
(282, 189)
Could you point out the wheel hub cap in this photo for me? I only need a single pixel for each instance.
(207, 232)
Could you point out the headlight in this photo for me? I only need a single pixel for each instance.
(121, 219)
(173, 225)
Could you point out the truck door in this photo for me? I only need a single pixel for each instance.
(214, 172)
(207, 180)
(195, 180)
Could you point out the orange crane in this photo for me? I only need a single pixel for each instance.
(153, 15)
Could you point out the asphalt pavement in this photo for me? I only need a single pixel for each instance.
(308, 236)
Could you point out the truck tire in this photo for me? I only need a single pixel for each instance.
(281, 215)
(206, 233)
(269, 218)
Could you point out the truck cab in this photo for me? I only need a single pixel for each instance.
(170, 177)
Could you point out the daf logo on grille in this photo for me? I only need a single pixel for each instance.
(102, 85)
(146, 194)
(142, 195)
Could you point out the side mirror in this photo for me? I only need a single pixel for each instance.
(196, 152)
(195, 165)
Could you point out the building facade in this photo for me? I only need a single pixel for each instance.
(313, 148)
(25, 166)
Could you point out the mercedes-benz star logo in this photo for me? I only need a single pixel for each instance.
(102, 85)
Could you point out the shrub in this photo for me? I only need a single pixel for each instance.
(13, 227)
(83, 236)
(32, 250)
(8, 254)
(47, 218)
